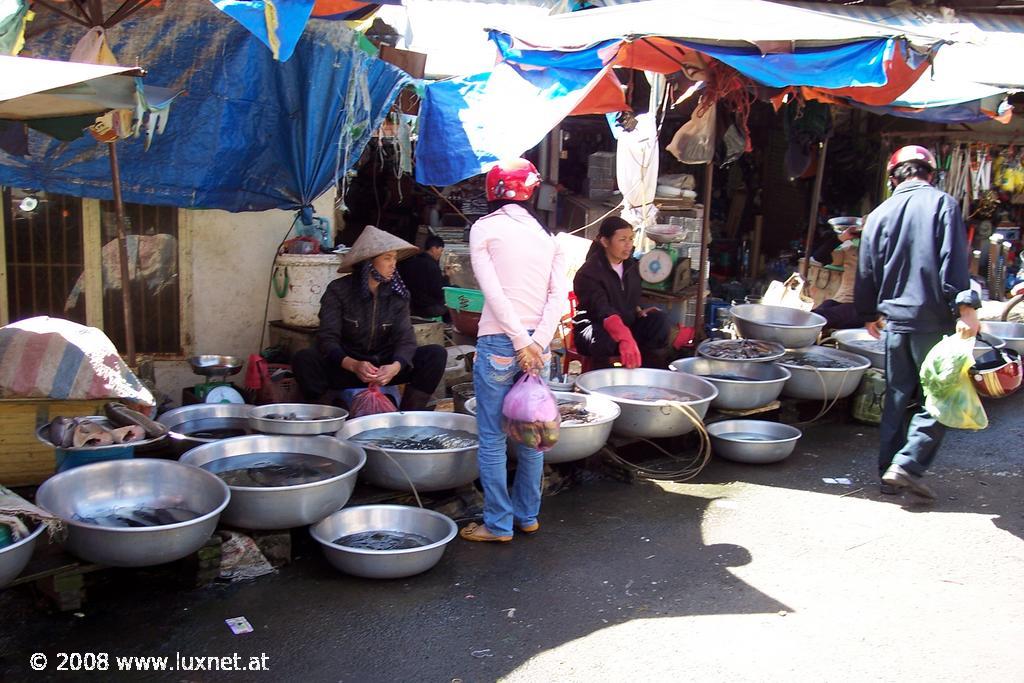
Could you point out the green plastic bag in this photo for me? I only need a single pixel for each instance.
(950, 397)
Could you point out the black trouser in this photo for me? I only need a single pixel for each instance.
(912, 447)
(650, 333)
(316, 376)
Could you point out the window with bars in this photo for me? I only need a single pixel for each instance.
(48, 241)
(45, 259)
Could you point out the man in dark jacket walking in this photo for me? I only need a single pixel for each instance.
(912, 278)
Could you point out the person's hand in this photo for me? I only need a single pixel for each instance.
(643, 312)
(968, 326)
(875, 328)
(530, 358)
(847, 235)
(387, 373)
(365, 370)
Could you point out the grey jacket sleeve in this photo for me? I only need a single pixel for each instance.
(953, 262)
(865, 288)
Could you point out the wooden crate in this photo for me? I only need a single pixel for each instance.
(24, 460)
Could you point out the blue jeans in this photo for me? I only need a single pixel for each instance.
(494, 371)
(911, 447)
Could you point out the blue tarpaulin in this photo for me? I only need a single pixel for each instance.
(248, 134)
(771, 44)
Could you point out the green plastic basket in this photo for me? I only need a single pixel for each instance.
(458, 299)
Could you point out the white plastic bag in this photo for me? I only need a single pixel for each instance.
(694, 142)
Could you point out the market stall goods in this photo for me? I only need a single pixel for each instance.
(297, 419)
(194, 425)
(16, 554)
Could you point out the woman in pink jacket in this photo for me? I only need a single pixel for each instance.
(522, 274)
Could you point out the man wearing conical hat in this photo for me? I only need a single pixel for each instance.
(365, 336)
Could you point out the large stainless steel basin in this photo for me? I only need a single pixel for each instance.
(790, 327)
(1011, 333)
(651, 419)
(94, 490)
(203, 423)
(14, 557)
(384, 564)
(282, 507)
(761, 384)
(428, 470)
(825, 384)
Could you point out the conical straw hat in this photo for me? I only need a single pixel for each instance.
(372, 243)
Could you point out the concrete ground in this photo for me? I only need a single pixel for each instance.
(749, 573)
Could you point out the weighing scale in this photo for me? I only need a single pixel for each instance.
(666, 268)
(217, 388)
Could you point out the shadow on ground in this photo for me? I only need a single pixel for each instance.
(608, 553)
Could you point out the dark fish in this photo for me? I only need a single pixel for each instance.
(383, 540)
(417, 439)
(123, 416)
(817, 360)
(61, 430)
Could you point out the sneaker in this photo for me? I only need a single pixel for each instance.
(889, 489)
(902, 479)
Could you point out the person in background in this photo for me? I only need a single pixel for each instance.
(521, 271)
(610, 321)
(424, 280)
(840, 311)
(912, 278)
(365, 334)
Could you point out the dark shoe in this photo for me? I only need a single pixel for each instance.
(889, 490)
(414, 399)
(901, 479)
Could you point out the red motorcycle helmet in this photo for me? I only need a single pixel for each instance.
(515, 179)
(997, 373)
(911, 153)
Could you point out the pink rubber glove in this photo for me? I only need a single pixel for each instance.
(628, 350)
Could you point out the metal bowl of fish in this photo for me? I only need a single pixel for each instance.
(203, 423)
(741, 385)
(653, 403)
(790, 327)
(756, 442)
(426, 450)
(587, 421)
(984, 343)
(860, 342)
(741, 350)
(14, 556)
(280, 482)
(384, 541)
(297, 419)
(93, 433)
(135, 513)
(1011, 333)
(823, 374)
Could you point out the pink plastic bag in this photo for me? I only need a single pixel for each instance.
(372, 401)
(530, 414)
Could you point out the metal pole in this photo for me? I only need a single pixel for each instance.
(812, 220)
(698, 318)
(122, 253)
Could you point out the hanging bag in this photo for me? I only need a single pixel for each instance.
(530, 414)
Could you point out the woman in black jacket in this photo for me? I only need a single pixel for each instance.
(365, 334)
(610, 320)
